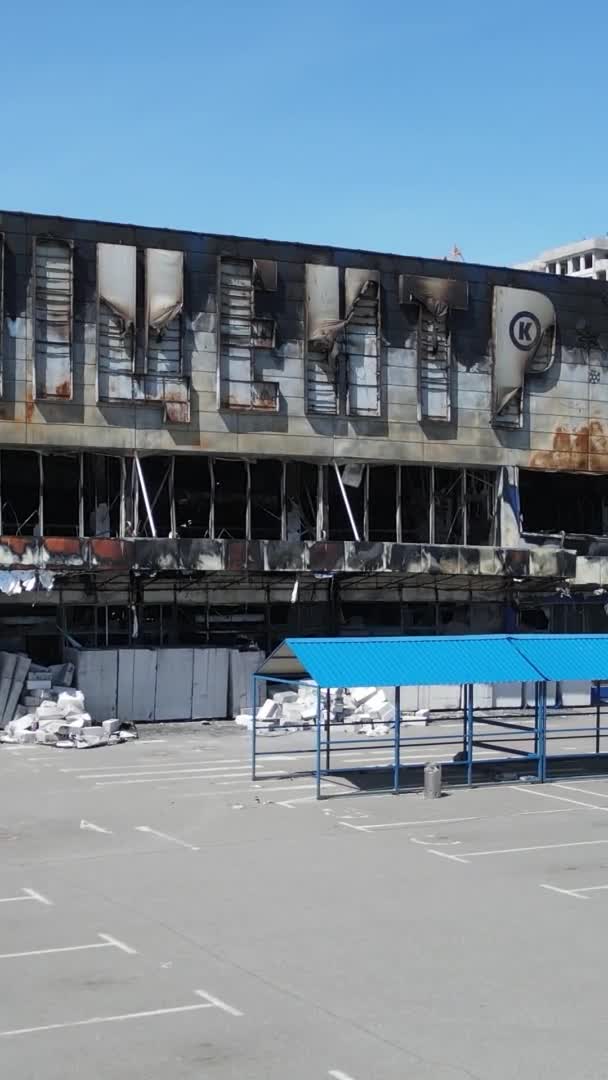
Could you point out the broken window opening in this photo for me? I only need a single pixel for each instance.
(563, 503)
(415, 504)
(480, 487)
(116, 320)
(365, 618)
(164, 275)
(382, 506)
(53, 309)
(242, 331)
(436, 298)
(101, 495)
(448, 506)
(301, 494)
(230, 499)
(266, 484)
(339, 523)
(362, 342)
(157, 478)
(21, 491)
(192, 496)
(419, 618)
(343, 353)
(61, 494)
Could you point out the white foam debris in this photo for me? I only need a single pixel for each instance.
(366, 708)
(57, 717)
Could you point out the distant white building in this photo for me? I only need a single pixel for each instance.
(585, 258)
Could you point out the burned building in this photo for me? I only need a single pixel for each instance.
(217, 440)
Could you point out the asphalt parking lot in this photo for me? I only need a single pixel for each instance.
(164, 916)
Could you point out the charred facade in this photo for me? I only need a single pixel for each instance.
(211, 439)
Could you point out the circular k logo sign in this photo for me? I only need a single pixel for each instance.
(524, 330)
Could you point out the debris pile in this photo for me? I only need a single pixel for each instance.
(365, 709)
(52, 712)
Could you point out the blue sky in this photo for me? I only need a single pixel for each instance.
(399, 126)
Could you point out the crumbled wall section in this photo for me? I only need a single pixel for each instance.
(560, 422)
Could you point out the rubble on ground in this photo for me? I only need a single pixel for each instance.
(52, 712)
(365, 709)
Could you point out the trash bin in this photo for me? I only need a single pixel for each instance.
(432, 781)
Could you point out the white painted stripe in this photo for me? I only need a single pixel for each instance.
(564, 892)
(339, 1075)
(119, 944)
(33, 895)
(357, 828)
(444, 855)
(165, 836)
(244, 791)
(189, 778)
(30, 895)
(106, 1019)
(218, 1003)
(424, 821)
(90, 825)
(559, 798)
(583, 791)
(169, 770)
(136, 765)
(535, 847)
(592, 888)
(107, 942)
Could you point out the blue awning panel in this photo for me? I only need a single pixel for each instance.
(400, 661)
(566, 656)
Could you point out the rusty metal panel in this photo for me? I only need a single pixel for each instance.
(362, 341)
(53, 310)
(116, 303)
(524, 325)
(435, 298)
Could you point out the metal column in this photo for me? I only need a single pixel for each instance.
(318, 748)
(469, 731)
(397, 758)
(253, 725)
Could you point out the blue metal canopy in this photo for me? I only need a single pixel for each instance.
(400, 661)
(565, 656)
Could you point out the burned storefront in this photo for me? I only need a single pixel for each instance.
(216, 441)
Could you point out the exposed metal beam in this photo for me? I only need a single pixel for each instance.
(353, 524)
(142, 484)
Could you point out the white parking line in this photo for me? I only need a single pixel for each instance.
(583, 791)
(339, 1075)
(560, 798)
(149, 765)
(444, 855)
(425, 821)
(189, 778)
(105, 943)
(168, 771)
(92, 827)
(253, 790)
(30, 895)
(165, 836)
(218, 1004)
(517, 850)
(564, 892)
(208, 1002)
